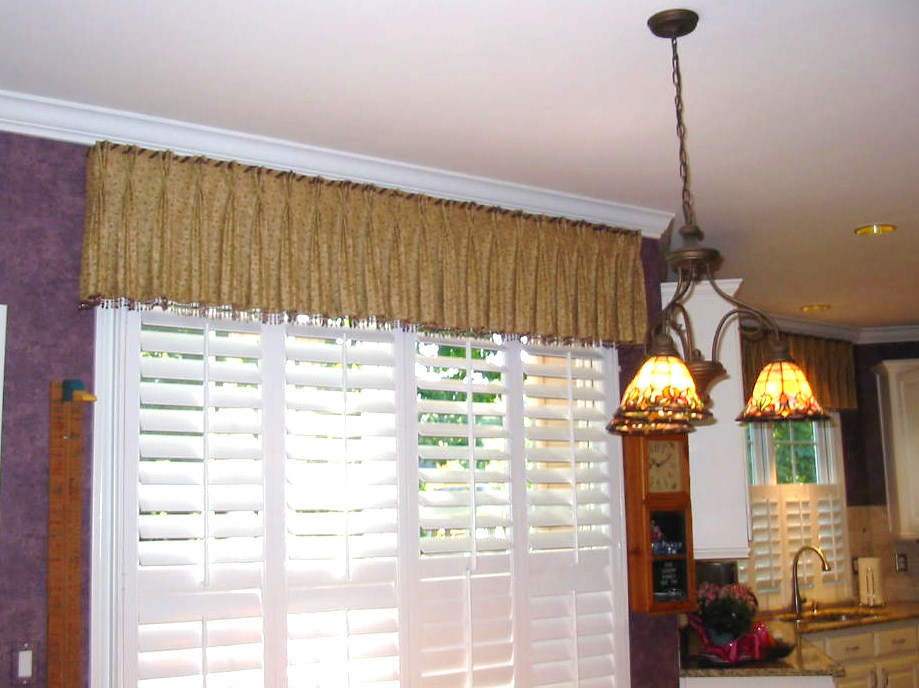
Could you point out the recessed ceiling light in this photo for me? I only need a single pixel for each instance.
(875, 229)
(813, 307)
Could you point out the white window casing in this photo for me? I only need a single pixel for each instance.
(295, 505)
(788, 516)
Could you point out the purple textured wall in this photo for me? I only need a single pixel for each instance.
(48, 338)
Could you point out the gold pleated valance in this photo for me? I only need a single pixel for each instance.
(829, 365)
(166, 228)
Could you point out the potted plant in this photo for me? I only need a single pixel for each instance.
(726, 611)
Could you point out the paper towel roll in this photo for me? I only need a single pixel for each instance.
(870, 587)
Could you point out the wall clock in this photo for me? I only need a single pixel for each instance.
(659, 524)
(665, 467)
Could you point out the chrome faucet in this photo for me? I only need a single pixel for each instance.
(796, 599)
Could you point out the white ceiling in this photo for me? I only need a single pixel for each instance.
(802, 116)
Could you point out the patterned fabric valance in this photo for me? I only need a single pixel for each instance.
(161, 228)
(828, 363)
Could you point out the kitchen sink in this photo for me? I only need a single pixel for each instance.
(831, 615)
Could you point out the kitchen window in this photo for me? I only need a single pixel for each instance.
(797, 497)
(293, 505)
(791, 453)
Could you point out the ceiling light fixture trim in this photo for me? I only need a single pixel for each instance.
(876, 229)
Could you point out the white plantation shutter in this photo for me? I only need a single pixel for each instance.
(831, 531)
(767, 563)
(342, 498)
(464, 515)
(463, 456)
(336, 508)
(784, 518)
(200, 506)
(570, 517)
(799, 520)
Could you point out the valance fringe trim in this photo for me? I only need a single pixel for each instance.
(197, 310)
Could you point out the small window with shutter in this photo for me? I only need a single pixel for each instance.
(797, 498)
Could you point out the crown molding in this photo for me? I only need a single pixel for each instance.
(888, 335)
(856, 335)
(78, 123)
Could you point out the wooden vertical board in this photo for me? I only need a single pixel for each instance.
(643, 502)
(65, 535)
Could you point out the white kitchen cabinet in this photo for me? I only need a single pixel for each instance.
(718, 473)
(858, 676)
(882, 656)
(898, 673)
(898, 392)
(757, 682)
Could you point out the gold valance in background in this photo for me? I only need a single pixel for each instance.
(828, 363)
(197, 231)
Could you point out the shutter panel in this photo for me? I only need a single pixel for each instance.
(342, 499)
(786, 517)
(571, 621)
(465, 591)
(337, 427)
(831, 530)
(798, 520)
(200, 511)
(566, 449)
(569, 517)
(766, 564)
(463, 465)
(465, 621)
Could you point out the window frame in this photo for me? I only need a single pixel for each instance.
(117, 341)
(760, 452)
(786, 511)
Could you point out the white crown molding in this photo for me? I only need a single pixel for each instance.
(816, 329)
(888, 335)
(85, 124)
(856, 335)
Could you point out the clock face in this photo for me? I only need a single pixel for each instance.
(664, 470)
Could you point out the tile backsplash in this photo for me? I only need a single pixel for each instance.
(869, 536)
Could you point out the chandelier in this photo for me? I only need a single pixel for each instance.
(670, 392)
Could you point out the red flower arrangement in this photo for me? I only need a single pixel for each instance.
(728, 610)
(726, 625)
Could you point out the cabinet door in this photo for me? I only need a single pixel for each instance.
(898, 390)
(893, 641)
(720, 492)
(898, 673)
(850, 647)
(858, 676)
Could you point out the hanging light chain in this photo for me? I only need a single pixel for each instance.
(689, 213)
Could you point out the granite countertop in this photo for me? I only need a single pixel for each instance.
(806, 659)
(860, 616)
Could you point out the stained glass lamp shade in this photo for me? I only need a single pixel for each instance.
(662, 396)
(781, 392)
